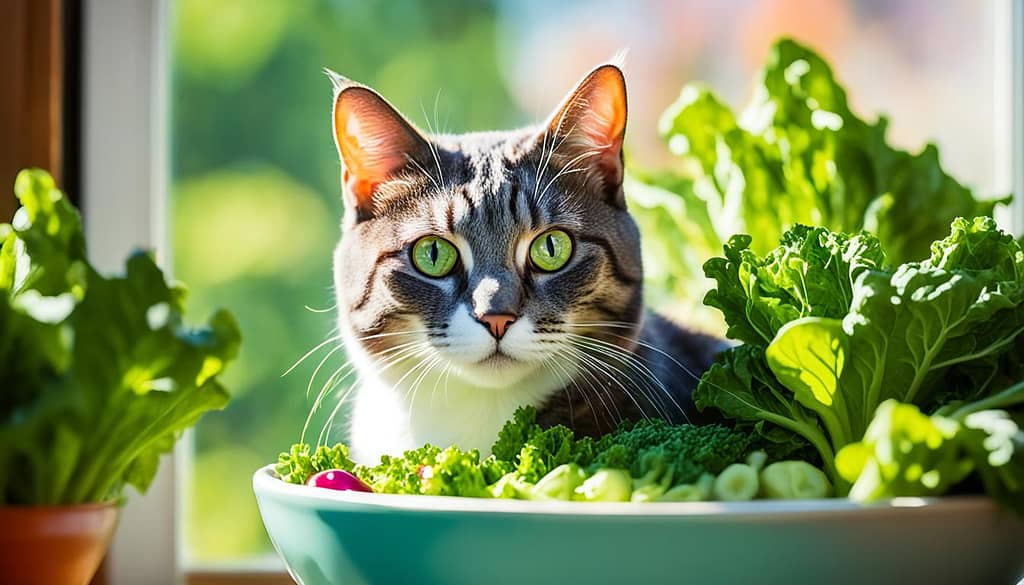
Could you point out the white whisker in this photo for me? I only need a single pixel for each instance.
(311, 352)
(633, 361)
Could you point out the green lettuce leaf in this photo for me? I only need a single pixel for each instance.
(904, 453)
(741, 386)
(908, 453)
(942, 332)
(810, 274)
(98, 375)
(797, 154)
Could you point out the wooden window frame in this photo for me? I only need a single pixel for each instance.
(125, 179)
(33, 35)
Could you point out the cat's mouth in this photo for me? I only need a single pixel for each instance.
(498, 359)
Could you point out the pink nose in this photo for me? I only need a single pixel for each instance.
(496, 323)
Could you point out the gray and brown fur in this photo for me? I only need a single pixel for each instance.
(489, 189)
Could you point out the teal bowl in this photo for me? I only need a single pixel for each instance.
(334, 538)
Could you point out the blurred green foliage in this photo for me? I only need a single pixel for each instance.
(256, 197)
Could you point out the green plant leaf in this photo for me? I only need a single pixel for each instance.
(98, 375)
(808, 356)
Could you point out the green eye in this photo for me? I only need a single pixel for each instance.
(551, 250)
(434, 256)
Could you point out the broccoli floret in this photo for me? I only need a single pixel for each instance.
(665, 455)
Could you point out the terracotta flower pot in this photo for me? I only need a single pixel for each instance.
(59, 545)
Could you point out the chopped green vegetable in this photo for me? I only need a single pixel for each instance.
(559, 483)
(606, 485)
(510, 486)
(736, 483)
(791, 480)
(98, 375)
(690, 492)
(649, 460)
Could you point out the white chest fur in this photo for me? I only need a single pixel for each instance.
(403, 408)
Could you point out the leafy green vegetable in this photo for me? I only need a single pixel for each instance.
(648, 460)
(534, 451)
(796, 155)
(741, 386)
(949, 327)
(810, 274)
(908, 453)
(299, 464)
(98, 375)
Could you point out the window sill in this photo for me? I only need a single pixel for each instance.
(238, 578)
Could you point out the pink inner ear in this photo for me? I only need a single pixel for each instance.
(592, 122)
(603, 116)
(375, 143)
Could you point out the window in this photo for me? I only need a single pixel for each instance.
(253, 198)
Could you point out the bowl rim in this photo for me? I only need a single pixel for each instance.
(266, 483)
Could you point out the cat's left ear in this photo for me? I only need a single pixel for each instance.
(588, 127)
(376, 144)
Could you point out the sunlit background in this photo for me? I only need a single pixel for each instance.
(256, 199)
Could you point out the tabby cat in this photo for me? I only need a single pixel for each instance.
(480, 272)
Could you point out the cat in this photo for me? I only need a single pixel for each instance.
(481, 272)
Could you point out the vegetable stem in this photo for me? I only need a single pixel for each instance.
(1002, 399)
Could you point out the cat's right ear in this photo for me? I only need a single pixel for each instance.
(375, 143)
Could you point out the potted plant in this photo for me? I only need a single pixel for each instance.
(98, 377)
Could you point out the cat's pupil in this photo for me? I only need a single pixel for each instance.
(433, 252)
(551, 245)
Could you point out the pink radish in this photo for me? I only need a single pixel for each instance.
(338, 479)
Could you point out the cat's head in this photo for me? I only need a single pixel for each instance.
(500, 257)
